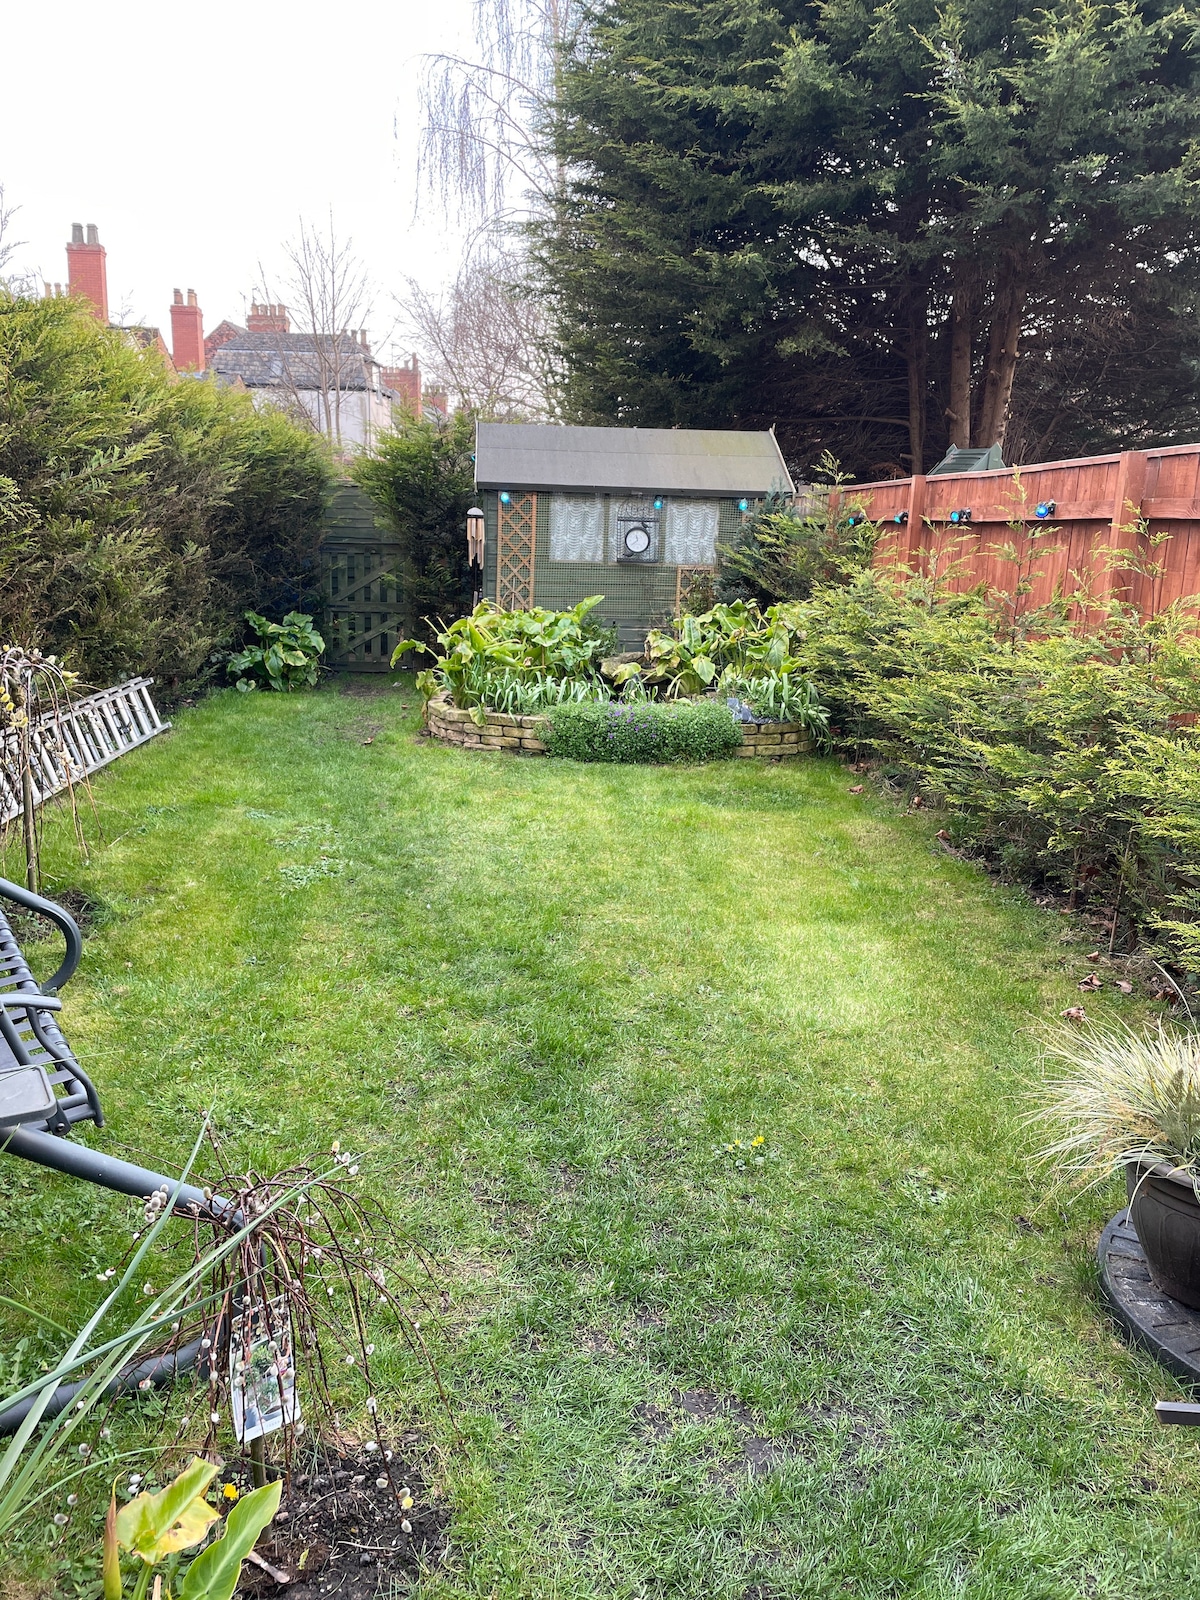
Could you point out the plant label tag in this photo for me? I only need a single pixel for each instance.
(262, 1371)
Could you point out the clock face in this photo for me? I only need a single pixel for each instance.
(637, 540)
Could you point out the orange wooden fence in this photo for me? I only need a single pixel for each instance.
(1096, 506)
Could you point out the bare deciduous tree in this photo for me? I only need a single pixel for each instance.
(329, 293)
(485, 339)
(484, 119)
(18, 282)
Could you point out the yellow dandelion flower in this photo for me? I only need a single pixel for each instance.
(231, 1491)
(758, 1141)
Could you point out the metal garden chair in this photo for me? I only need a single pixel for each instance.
(44, 1093)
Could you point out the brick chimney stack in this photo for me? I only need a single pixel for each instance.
(405, 381)
(187, 333)
(268, 319)
(87, 275)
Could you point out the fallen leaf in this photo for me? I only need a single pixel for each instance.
(1125, 988)
(916, 802)
(1093, 955)
(1091, 982)
(1074, 1014)
(371, 740)
(943, 835)
(856, 788)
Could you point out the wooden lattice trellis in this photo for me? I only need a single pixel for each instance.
(689, 581)
(516, 545)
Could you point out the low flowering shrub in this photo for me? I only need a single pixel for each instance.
(642, 731)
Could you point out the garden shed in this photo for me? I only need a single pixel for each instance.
(630, 513)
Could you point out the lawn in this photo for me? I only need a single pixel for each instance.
(545, 1001)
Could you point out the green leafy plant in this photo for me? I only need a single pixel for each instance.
(643, 731)
(687, 657)
(150, 1528)
(519, 695)
(286, 656)
(778, 697)
(494, 651)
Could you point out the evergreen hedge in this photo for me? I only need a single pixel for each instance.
(141, 516)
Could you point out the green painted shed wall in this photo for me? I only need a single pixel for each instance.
(637, 597)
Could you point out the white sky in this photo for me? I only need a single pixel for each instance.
(195, 136)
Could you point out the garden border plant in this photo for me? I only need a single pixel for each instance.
(503, 668)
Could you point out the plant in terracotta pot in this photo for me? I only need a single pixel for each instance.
(1126, 1100)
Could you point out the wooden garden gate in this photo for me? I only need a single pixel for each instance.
(359, 566)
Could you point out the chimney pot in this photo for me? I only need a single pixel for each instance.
(86, 271)
(187, 333)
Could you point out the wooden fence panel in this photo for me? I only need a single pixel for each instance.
(1103, 505)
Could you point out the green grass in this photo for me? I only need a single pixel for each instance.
(544, 999)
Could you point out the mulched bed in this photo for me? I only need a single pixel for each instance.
(339, 1534)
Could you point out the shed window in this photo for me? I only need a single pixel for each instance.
(691, 533)
(576, 527)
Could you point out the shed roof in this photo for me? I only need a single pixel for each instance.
(524, 455)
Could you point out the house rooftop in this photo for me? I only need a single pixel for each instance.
(280, 358)
(721, 461)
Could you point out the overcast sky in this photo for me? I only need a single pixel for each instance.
(195, 136)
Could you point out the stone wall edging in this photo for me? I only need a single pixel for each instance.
(770, 741)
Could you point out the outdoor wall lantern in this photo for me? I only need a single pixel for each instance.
(658, 503)
(505, 497)
(475, 536)
(743, 505)
(901, 519)
(964, 515)
(1044, 509)
(853, 520)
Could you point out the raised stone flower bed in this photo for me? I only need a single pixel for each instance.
(499, 730)
(775, 741)
(770, 741)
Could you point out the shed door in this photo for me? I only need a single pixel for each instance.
(516, 541)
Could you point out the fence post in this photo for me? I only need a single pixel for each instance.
(914, 545)
(1123, 527)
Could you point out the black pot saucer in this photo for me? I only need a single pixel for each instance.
(1166, 1328)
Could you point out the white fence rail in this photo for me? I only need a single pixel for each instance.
(78, 739)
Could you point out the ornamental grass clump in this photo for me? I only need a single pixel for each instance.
(1124, 1097)
(642, 731)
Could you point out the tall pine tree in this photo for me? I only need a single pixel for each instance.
(886, 227)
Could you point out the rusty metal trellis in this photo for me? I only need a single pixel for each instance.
(516, 544)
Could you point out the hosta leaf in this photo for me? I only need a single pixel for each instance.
(154, 1525)
(213, 1575)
